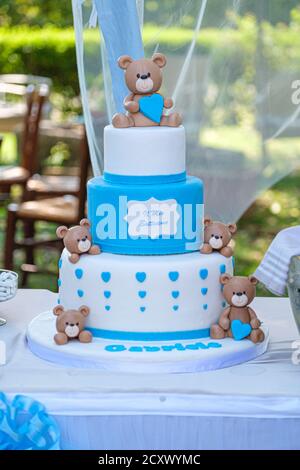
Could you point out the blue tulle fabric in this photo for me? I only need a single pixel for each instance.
(25, 425)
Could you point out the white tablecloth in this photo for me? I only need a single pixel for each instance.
(254, 405)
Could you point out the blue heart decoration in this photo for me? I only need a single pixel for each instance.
(240, 330)
(105, 276)
(173, 276)
(175, 307)
(60, 263)
(78, 273)
(205, 306)
(140, 277)
(80, 293)
(142, 309)
(203, 273)
(222, 269)
(204, 290)
(152, 107)
(107, 307)
(224, 304)
(175, 294)
(59, 282)
(142, 294)
(107, 294)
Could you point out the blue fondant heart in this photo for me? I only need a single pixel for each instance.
(224, 304)
(175, 307)
(173, 276)
(240, 330)
(205, 306)
(59, 282)
(222, 268)
(105, 276)
(107, 307)
(152, 107)
(142, 294)
(203, 273)
(58, 301)
(204, 290)
(80, 293)
(175, 294)
(142, 309)
(60, 263)
(78, 273)
(107, 294)
(140, 277)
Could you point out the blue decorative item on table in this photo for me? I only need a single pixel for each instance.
(25, 425)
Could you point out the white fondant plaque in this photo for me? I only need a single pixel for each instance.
(152, 218)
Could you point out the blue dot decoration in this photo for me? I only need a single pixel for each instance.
(222, 287)
(58, 301)
(204, 290)
(203, 273)
(60, 263)
(173, 276)
(205, 306)
(59, 282)
(222, 268)
(105, 276)
(141, 276)
(78, 273)
(107, 294)
(175, 294)
(224, 304)
(107, 307)
(175, 307)
(80, 293)
(142, 294)
(142, 309)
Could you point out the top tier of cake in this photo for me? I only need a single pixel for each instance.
(144, 154)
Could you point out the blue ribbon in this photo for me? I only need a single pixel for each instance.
(25, 425)
(119, 24)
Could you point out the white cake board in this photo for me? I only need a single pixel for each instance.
(95, 355)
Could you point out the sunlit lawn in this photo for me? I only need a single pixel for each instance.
(277, 208)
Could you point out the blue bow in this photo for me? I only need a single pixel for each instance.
(25, 425)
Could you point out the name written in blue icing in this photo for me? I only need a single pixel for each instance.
(165, 347)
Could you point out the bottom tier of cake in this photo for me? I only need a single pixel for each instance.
(145, 298)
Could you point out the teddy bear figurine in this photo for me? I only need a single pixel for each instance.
(144, 105)
(78, 240)
(238, 320)
(217, 237)
(70, 325)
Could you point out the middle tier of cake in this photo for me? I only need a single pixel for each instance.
(145, 298)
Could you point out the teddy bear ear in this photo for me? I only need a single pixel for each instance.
(253, 280)
(124, 61)
(225, 278)
(84, 310)
(58, 310)
(61, 231)
(159, 59)
(232, 228)
(85, 223)
(207, 221)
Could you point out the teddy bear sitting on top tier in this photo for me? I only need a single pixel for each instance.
(145, 104)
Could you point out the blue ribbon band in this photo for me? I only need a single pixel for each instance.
(149, 336)
(153, 179)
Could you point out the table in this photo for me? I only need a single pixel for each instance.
(253, 405)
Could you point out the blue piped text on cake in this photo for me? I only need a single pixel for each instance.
(165, 347)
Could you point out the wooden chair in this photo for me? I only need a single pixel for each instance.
(66, 210)
(19, 175)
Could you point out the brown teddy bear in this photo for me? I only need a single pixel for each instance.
(145, 105)
(238, 320)
(217, 237)
(78, 240)
(70, 325)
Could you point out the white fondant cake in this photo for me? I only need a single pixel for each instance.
(146, 297)
(144, 151)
